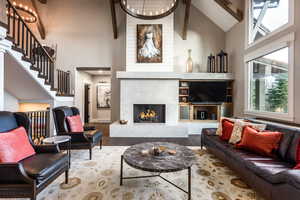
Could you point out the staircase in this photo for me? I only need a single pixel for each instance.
(20, 42)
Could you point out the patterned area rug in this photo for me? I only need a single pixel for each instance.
(98, 179)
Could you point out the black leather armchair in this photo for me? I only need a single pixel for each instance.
(30, 176)
(84, 140)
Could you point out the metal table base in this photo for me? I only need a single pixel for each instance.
(188, 192)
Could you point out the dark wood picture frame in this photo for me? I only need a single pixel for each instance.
(155, 31)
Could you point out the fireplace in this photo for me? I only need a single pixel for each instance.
(149, 113)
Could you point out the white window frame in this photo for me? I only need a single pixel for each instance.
(248, 22)
(285, 41)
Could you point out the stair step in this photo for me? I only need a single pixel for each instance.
(3, 25)
(42, 76)
(34, 68)
(27, 60)
(65, 95)
(10, 38)
(18, 49)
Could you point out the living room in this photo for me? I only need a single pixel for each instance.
(109, 99)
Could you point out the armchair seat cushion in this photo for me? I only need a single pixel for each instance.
(41, 166)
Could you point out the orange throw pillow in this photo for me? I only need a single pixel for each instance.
(15, 146)
(75, 123)
(263, 143)
(227, 127)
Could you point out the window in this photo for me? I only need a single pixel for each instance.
(268, 81)
(269, 88)
(267, 16)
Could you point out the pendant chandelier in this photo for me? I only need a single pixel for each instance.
(24, 10)
(149, 9)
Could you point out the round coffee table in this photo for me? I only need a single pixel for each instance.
(59, 140)
(173, 158)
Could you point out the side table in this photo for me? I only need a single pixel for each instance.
(59, 140)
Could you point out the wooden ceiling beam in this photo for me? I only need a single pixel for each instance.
(114, 17)
(186, 18)
(43, 1)
(39, 22)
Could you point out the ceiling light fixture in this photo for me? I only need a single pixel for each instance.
(149, 9)
(26, 13)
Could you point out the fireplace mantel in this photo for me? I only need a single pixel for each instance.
(174, 75)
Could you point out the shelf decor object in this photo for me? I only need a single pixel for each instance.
(222, 62)
(149, 9)
(189, 62)
(211, 63)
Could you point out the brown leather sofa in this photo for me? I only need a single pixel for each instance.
(274, 178)
(30, 176)
(85, 140)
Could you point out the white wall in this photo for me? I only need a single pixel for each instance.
(83, 32)
(167, 45)
(203, 38)
(11, 103)
(82, 78)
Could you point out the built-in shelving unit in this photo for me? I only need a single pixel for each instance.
(207, 112)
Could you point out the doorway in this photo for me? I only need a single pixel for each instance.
(87, 102)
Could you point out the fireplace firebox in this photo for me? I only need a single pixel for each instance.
(149, 113)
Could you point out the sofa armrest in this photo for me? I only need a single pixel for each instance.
(209, 131)
(14, 173)
(46, 148)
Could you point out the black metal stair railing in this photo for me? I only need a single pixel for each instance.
(26, 42)
(63, 83)
(40, 125)
(33, 51)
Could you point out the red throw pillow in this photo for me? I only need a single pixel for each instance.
(227, 127)
(75, 123)
(15, 146)
(263, 143)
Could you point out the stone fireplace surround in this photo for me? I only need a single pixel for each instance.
(157, 88)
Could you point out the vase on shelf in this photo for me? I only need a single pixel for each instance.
(189, 62)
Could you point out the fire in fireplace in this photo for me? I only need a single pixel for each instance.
(149, 113)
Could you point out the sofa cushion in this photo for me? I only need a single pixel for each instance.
(269, 169)
(220, 126)
(75, 123)
(238, 127)
(41, 166)
(227, 127)
(15, 146)
(263, 143)
(291, 155)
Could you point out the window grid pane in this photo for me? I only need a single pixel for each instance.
(268, 81)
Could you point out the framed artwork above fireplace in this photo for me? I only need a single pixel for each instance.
(149, 43)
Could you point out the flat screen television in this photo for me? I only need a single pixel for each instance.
(208, 92)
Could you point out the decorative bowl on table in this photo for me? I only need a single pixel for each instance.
(123, 122)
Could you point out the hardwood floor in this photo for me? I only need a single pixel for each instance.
(192, 140)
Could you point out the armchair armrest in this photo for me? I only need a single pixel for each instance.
(89, 128)
(46, 148)
(76, 136)
(14, 173)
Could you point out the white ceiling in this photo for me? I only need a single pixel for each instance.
(216, 13)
